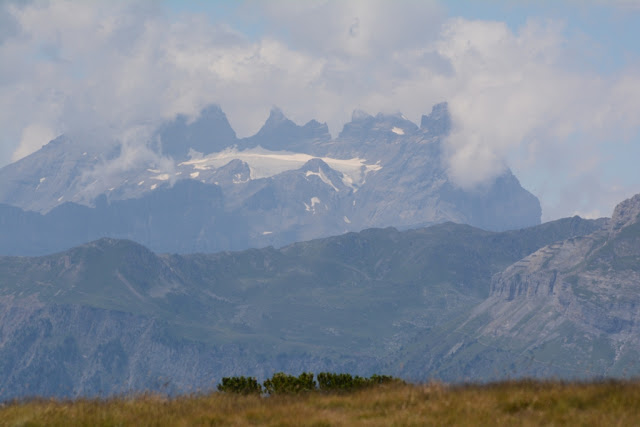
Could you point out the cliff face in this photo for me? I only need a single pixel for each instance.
(570, 309)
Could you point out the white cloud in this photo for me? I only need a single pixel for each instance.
(33, 137)
(515, 99)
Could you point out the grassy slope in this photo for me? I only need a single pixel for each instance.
(511, 403)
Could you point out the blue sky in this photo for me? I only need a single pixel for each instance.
(550, 89)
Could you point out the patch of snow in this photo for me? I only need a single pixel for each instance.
(348, 181)
(153, 170)
(397, 130)
(354, 203)
(314, 201)
(112, 188)
(320, 174)
(194, 175)
(237, 179)
(60, 198)
(266, 233)
(140, 183)
(42, 180)
(161, 177)
(454, 349)
(347, 220)
(84, 154)
(154, 186)
(265, 163)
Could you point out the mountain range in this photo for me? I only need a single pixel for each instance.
(111, 316)
(192, 255)
(199, 188)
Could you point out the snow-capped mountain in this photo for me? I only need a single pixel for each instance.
(286, 183)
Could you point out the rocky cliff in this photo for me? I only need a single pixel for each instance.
(570, 309)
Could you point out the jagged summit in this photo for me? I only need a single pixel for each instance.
(625, 213)
(438, 122)
(382, 171)
(364, 125)
(108, 243)
(209, 133)
(276, 118)
(315, 164)
(359, 115)
(281, 133)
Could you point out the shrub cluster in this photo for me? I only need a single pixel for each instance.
(328, 381)
(281, 383)
(240, 385)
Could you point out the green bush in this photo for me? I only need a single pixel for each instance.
(240, 385)
(282, 383)
(328, 381)
(383, 379)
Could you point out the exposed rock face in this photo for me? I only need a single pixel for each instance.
(209, 133)
(438, 122)
(625, 214)
(571, 309)
(280, 133)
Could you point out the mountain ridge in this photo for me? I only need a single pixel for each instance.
(568, 309)
(381, 171)
(344, 303)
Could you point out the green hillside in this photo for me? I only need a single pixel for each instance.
(349, 302)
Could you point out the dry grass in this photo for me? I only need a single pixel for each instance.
(511, 403)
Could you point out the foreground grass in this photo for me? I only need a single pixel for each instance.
(510, 403)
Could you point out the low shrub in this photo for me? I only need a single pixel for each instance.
(328, 381)
(384, 379)
(281, 383)
(240, 385)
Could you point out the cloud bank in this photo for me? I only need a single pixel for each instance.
(521, 98)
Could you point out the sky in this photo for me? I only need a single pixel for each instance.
(550, 89)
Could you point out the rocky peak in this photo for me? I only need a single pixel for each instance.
(280, 133)
(626, 213)
(209, 133)
(360, 115)
(276, 119)
(234, 172)
(317, 130)
(362, 125)
(317, 167)
(438, 122)
(315, 164)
